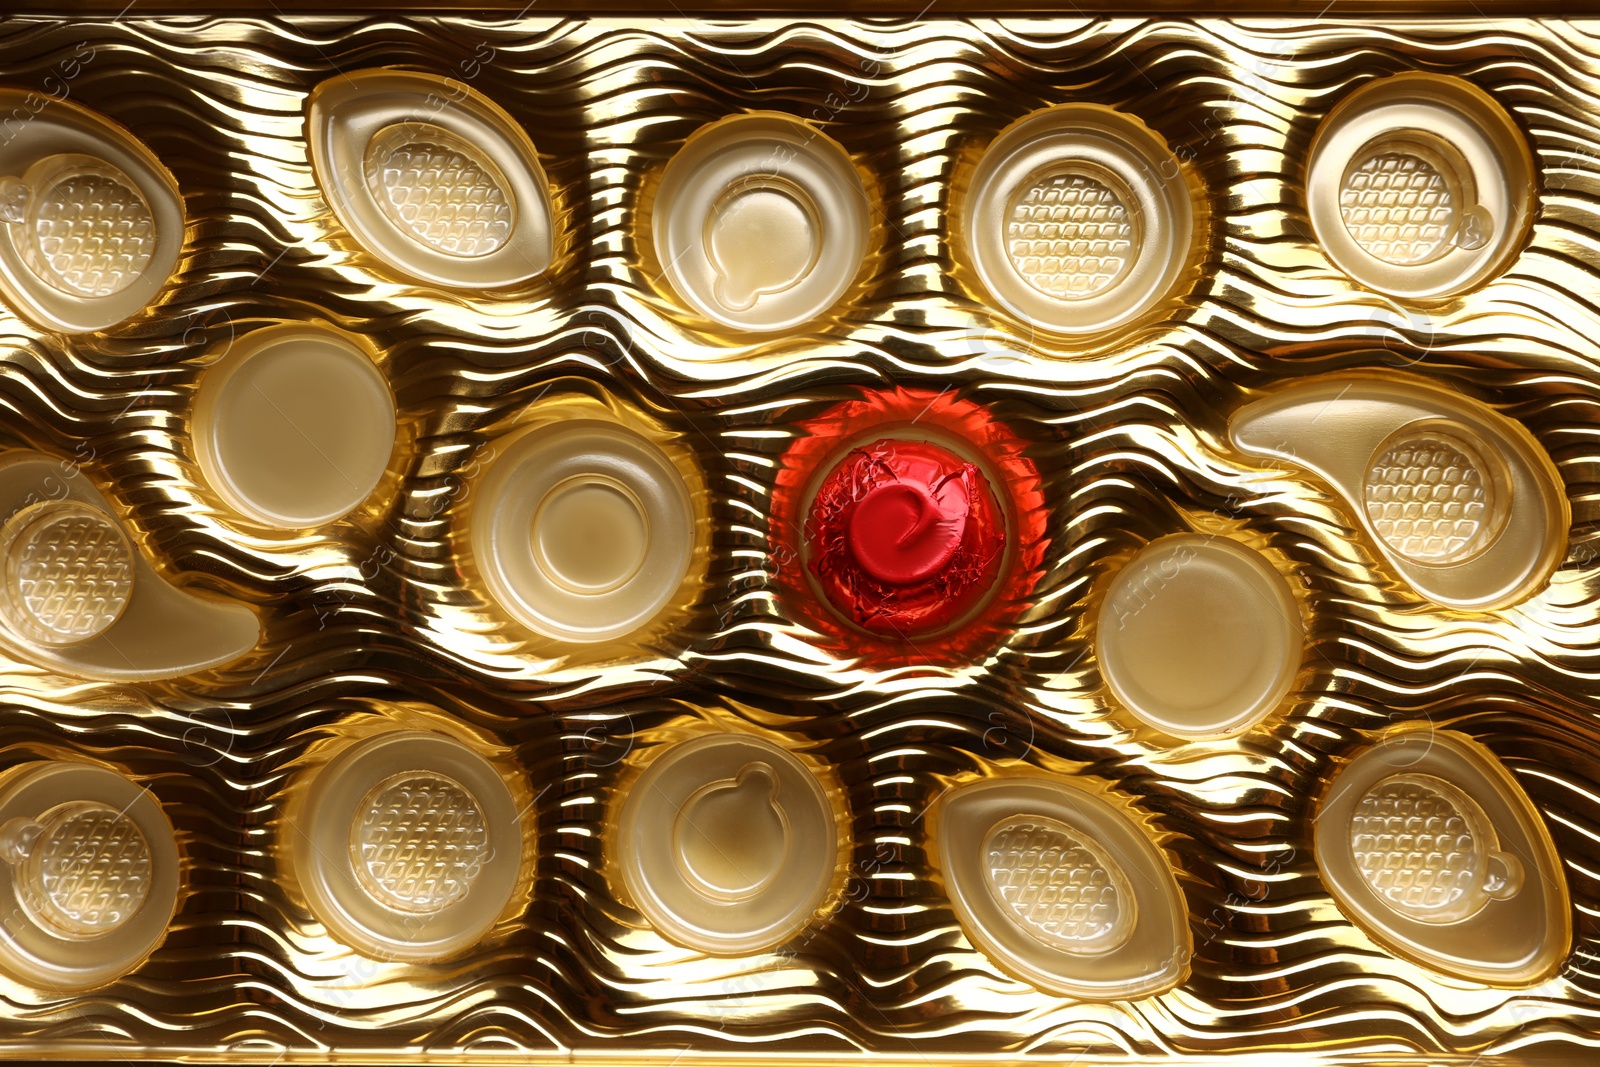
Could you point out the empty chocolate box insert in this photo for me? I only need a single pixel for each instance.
(1429, 845)
(1420, 186)
(760, 222)
(1062, 888)
(88, 874)
(294, 426)
(77, 596)
(1460, 500)
(432, 178)
(91, 223)
(727, 843)
(1079, 219)
(1199, 636)
(407, 845)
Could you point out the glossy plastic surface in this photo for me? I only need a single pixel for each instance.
(88, 875)
(727, 844)
(760, 222)
(91, 223)
(434, 179)
(294, 426)
(1063, 889)
(407, 846)
(1078, 219)
(80, 600)
(1199, 637)
(1432, 847)
(1457, 498)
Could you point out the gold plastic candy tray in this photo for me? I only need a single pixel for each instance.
(907, 537)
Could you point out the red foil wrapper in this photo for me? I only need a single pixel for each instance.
(908, 526)
(906, 537)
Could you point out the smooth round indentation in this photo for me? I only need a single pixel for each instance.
(583, 530)
(294, 427)
(1420, 186)
(727, 844)
(1079, 219)
(1426, 849)
(419, 843)
(1432, 497)
(1199, 636)
(90, 231)
(1430, 846)
(433, 178)
(763, 236)
(440, 189)
(407, 845)
(1061, 888)
(68, 572)
(88, 875)
(590, 535)
(733, 837)
(87, 871)
(1069, 234)
(1058, 885)
(760, 222)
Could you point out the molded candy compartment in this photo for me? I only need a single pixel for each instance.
(88, 875)
(1460, 500)
(294, 426)
(407, 845)
(1079, 219)
(727, 843)
(91, 223)
(1062, 889)
(760, 222)
(1429, 845)
(588, 522)
(1420, 186)
(432, 177)
(1199, 636)
(77, 596)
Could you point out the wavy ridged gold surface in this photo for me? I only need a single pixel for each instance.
(1129, 436)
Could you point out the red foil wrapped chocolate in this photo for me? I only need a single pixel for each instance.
(906, 537)
(915, 524)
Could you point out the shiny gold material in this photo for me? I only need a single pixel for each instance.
(379, 621)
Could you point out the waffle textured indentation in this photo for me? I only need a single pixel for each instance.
(1058, 889)
(449, 201)
(1070, 236)
(1414, 847)
(1428, 500)
(421, 842)
(93, 234)
(93, 870)
(1398, 208)
(74, 574)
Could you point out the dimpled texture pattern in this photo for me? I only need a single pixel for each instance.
(93, 871)
(421, 843)
(1427, 499)
(442, 197)
(1070, 236)
(74, 575)
(92, 235)
(1055, 887)
(1398, 208)
(1414, 848)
